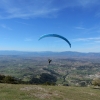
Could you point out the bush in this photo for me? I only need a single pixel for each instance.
(96, 82)
(9, 79)
(82, 83)
(1, 78)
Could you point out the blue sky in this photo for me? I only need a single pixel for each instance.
(22, 22)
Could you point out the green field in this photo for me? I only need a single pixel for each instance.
(42, 92)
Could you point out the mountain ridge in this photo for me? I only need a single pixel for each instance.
(50, 53)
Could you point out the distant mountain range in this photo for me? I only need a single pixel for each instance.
(49, 53)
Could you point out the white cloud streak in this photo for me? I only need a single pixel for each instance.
(88, 3)
(25, 8)
(5, 27)
(80, 28)
(22, 23)
(38, 8)
(94, 39)
(28, 39)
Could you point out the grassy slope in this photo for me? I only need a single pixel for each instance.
(40, 92)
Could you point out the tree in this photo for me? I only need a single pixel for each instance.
(45, 77)
(35, 81)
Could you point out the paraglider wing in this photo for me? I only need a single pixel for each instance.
(55, 35)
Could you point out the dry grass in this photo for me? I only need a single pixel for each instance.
(40, 92)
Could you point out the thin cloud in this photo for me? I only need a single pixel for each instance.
(88, 3)
(22, 23)
(88, 39)
(89, 30)
(80, 28)
(28, 39)
(98, 41)
(26, 9)
(97, 14)
(38, 8)
(5, 27)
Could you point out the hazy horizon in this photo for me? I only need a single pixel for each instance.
(47, 51)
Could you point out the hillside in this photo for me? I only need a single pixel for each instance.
(41, 92)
